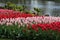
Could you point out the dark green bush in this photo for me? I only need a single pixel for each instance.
(13, 6)
(38, 11)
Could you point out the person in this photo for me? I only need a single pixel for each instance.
(46, 14)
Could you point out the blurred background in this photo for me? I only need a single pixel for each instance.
(51, 7)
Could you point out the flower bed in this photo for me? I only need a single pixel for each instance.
(30, 28)
(17, 26)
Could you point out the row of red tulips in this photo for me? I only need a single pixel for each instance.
(4, 13)
(55, 26)
(14, 15)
